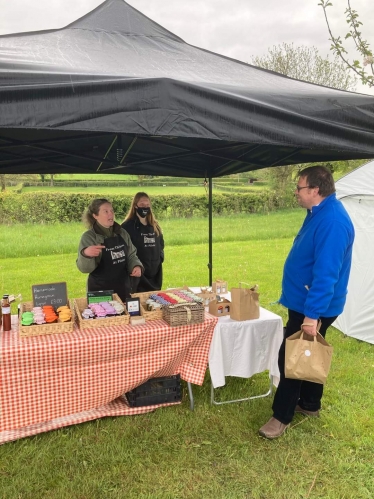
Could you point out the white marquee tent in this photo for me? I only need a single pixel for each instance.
(356, 192)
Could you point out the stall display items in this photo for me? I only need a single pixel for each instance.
(54, 293)
(245, 304)
(219, 287)
(135, 312)
(152, 303)
(220, 307)
(5, 313)
(150, 313)
(184, 313)
(181, 307)
(207, 295)
(156, 391)
(99, 296)
(101, 314)
(133, 306)
(35, 321)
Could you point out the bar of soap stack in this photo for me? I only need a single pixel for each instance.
(102, 310)
(157, 300)
(46, 314)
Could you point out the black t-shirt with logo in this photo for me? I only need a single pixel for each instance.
(150, 250)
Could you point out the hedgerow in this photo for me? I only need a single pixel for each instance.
(40, 207)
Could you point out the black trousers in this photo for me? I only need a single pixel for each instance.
(291, 392)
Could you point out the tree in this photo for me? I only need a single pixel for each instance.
(302, 63)
(361, 45)
(305, 63)
(8, 178)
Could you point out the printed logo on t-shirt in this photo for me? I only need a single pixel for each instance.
(149, 239)
(117, 253)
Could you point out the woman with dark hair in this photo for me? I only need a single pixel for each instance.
(106, 252)
(146, 236)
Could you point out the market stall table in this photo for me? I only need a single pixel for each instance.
(245, 348)
(52, 381)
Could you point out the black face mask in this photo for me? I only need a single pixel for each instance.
(143, 212)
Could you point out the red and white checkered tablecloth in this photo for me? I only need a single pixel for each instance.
(52, 381)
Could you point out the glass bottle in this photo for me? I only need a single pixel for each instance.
(5, 309)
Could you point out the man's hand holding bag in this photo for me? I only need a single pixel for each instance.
(308, 358)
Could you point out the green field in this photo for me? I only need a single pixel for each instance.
(213, 452)
(63, 238)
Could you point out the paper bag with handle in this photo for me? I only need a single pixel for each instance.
(308, 358)
(245, 303)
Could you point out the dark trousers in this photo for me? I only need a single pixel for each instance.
(291, 392)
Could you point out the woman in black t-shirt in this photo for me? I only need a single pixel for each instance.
(146, 236)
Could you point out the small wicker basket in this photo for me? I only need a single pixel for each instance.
(37, 330)
(119, 320)
(149, 315)
(182, 314)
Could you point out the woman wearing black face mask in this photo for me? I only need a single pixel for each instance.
(146, 236)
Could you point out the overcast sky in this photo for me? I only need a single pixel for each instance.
(239, 29)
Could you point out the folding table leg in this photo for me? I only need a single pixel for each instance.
(214, 402)
(190, 394)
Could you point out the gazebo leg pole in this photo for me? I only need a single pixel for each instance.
(210, 264)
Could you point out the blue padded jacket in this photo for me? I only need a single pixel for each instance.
(316, 271)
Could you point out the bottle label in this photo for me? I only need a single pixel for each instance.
(5, 310)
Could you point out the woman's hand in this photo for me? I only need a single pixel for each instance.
(93, 251)
(136, 272)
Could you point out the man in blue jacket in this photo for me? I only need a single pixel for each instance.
(314, 286)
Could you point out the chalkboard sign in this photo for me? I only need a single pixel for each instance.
(54, 294)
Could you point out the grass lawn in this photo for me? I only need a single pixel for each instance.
(213, 452)
(38, 240)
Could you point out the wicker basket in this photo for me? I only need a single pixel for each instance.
(119, 320)
(37, 330)
(149, 315)
(182, 314)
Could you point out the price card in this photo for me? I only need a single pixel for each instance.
(133, 306)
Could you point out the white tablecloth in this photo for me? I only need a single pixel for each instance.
(245, 348)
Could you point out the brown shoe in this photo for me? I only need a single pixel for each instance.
(272, 429)
(311, 414)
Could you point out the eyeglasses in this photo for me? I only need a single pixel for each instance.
(299, 188)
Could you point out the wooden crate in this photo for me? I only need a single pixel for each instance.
(40, 329)
(119, 320)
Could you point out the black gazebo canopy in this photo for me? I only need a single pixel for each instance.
(115, 92)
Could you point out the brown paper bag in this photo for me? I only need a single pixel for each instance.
(307, 357)
(244, 303)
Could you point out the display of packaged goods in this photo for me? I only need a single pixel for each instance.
(153, 302)
(220, 308)
(87, 320)
(219, 287)
(33, 321)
